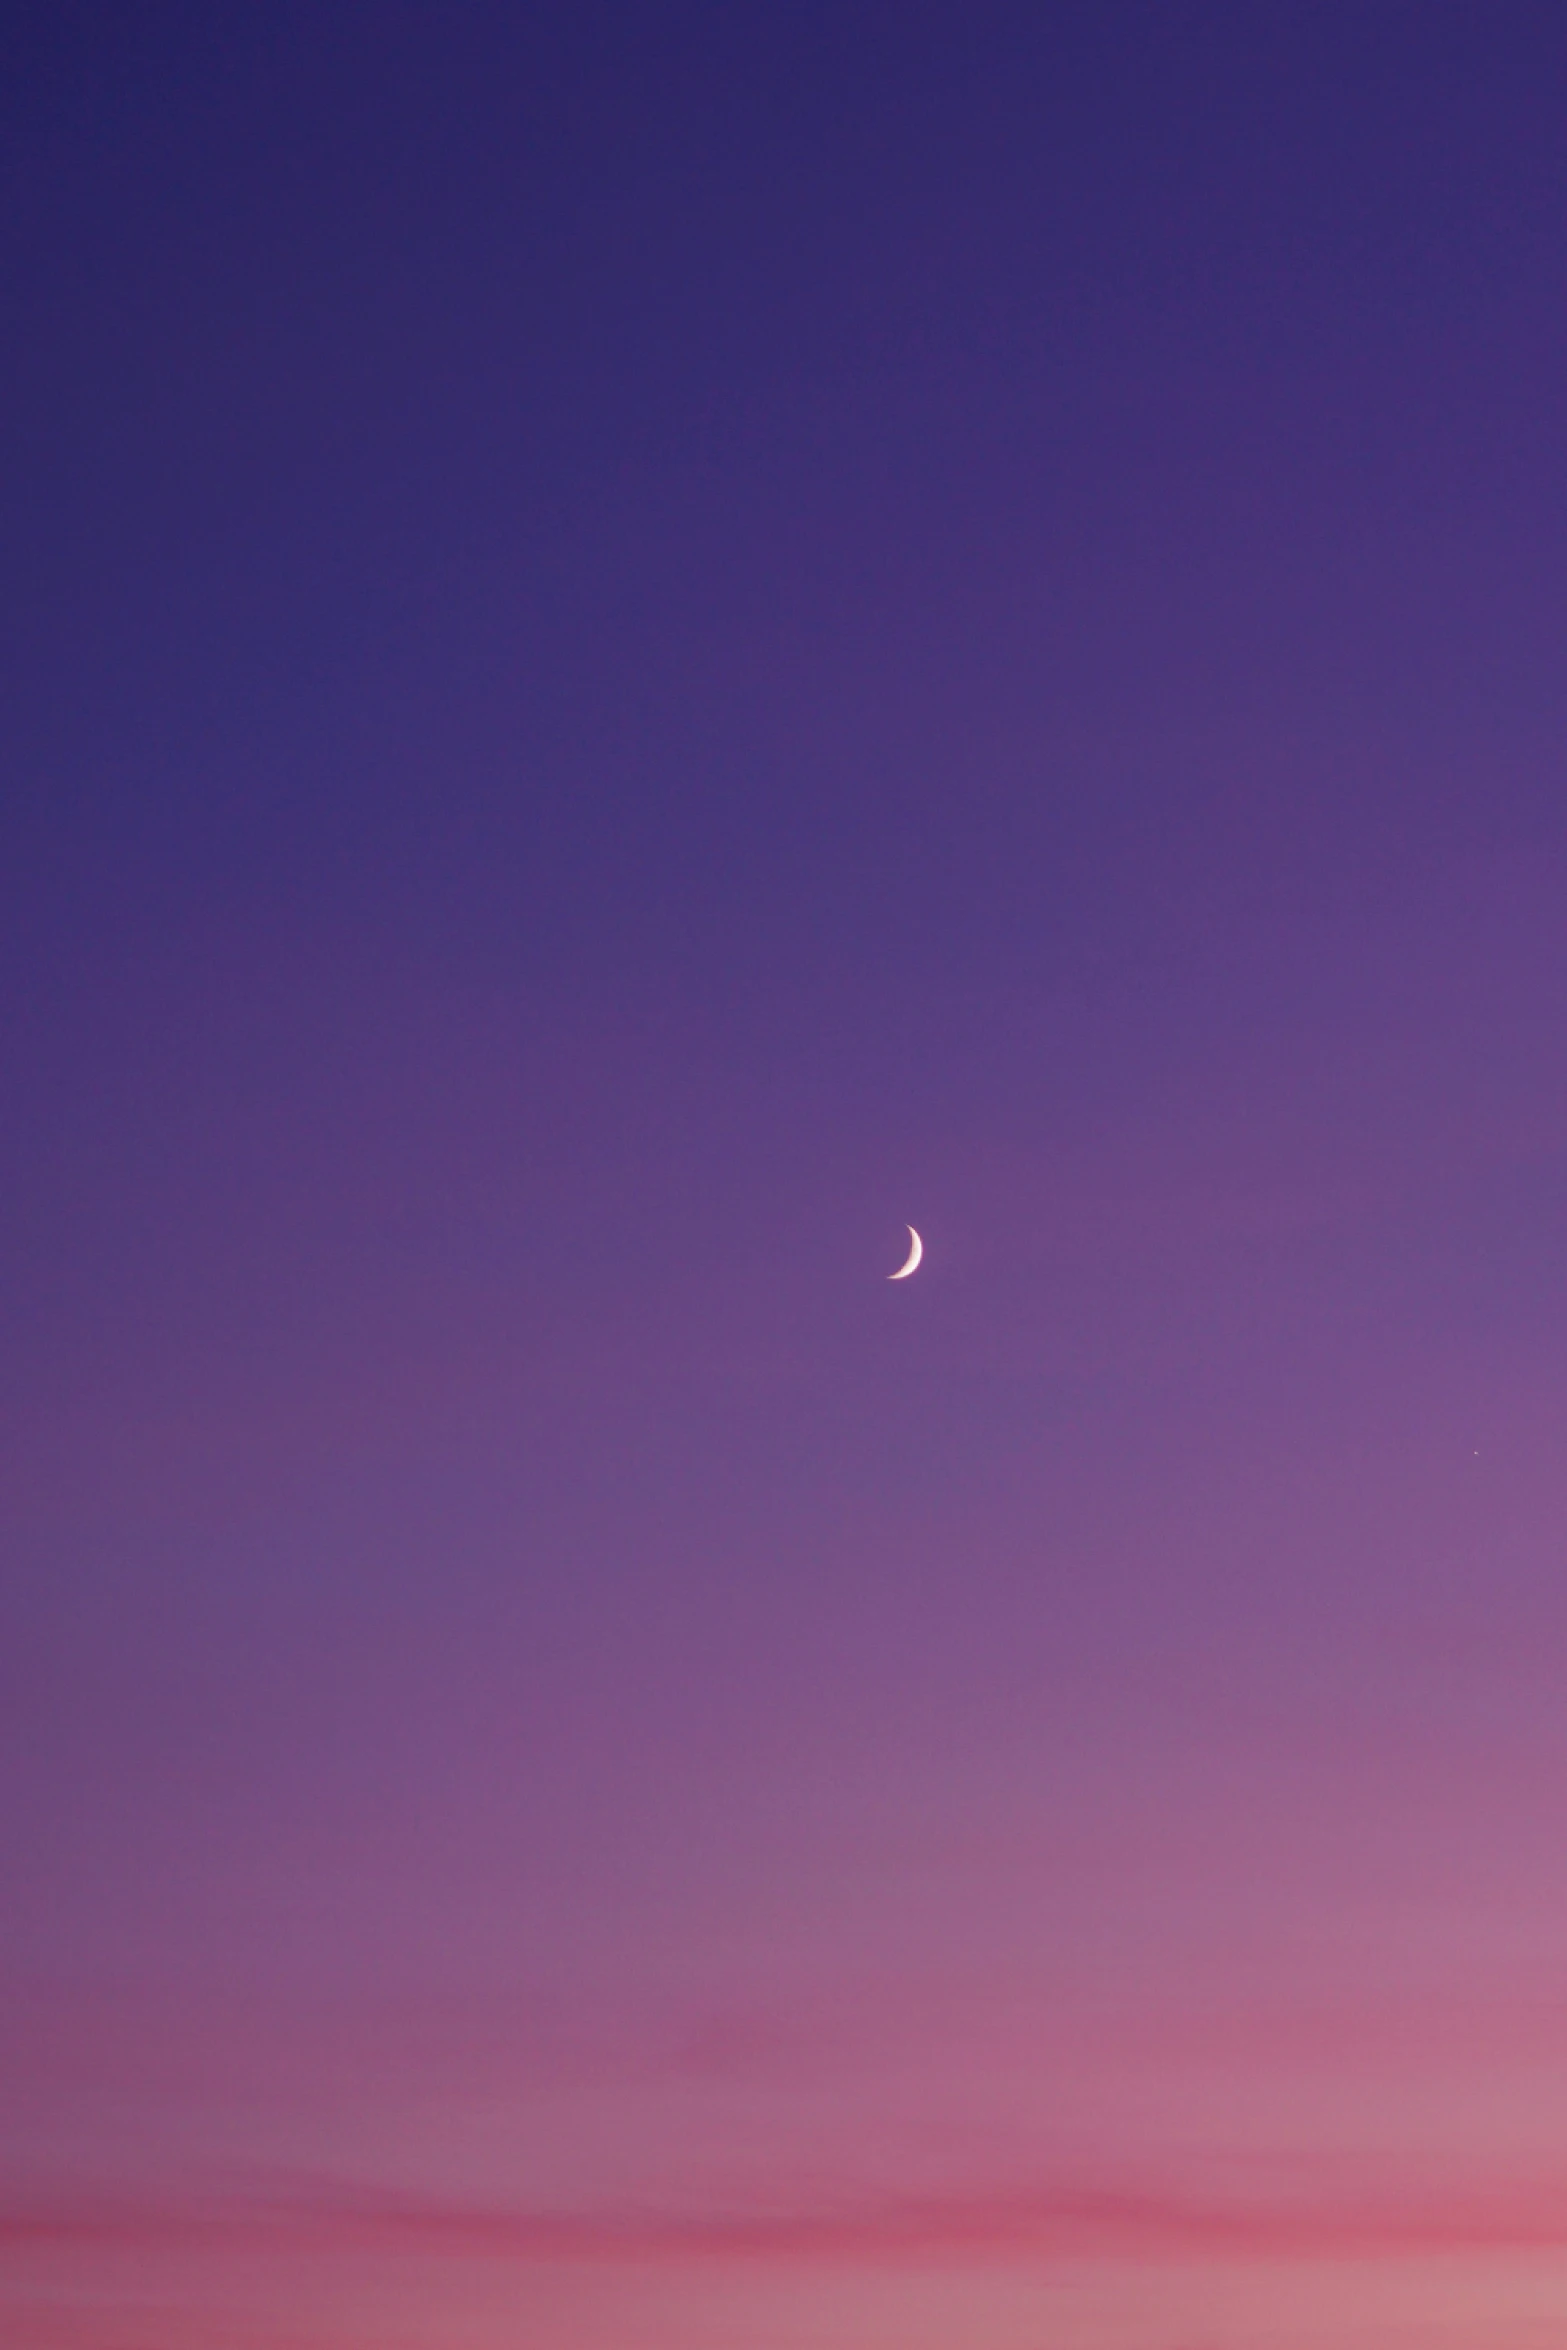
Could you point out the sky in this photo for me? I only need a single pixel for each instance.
(644, 645)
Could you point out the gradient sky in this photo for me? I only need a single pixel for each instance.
(642, 645)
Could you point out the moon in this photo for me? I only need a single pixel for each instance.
(916, 1251)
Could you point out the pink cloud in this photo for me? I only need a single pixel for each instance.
(1058, 2222)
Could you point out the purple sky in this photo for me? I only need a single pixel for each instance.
(644, 645)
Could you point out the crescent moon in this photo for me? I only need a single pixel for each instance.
(916, 1251)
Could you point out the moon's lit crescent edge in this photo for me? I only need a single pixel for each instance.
(914, 1256)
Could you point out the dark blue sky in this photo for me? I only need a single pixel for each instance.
(718, 486)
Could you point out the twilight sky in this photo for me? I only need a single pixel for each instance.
(643, 644)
